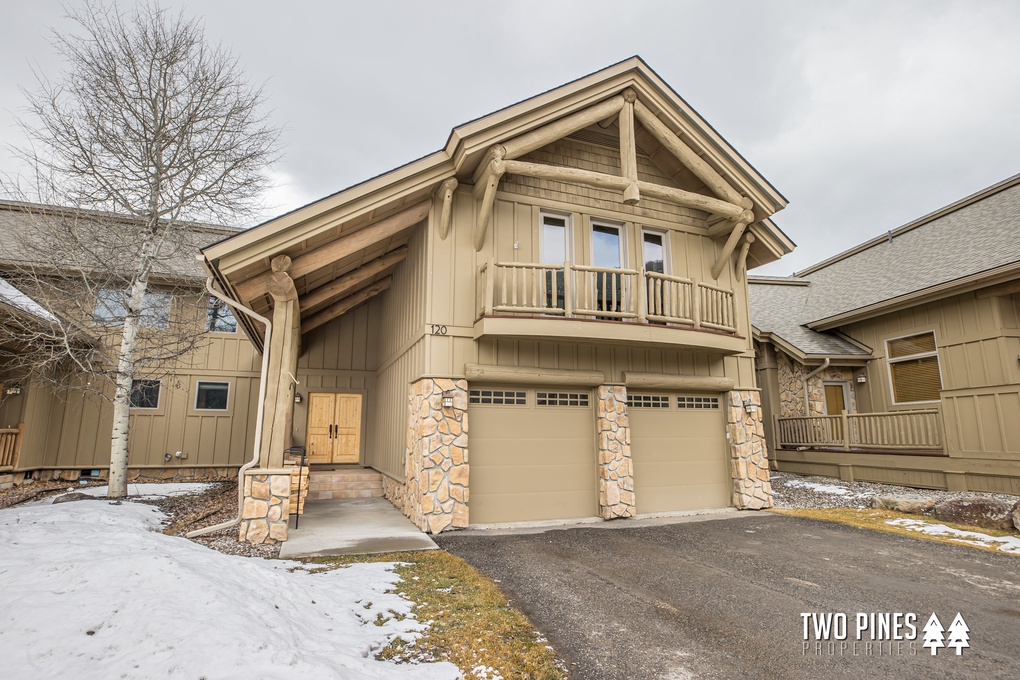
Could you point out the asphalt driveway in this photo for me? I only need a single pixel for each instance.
(724, 598)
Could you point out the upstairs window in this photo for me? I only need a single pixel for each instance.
(145, 394)
(111, 308)
(212, 396)
(554, 249)
(914, 368)
(219, 318)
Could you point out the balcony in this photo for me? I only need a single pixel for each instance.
(898, 432)
(522, 298)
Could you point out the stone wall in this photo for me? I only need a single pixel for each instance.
(266, 510)
(616, 469)
(435, 490)
(791, 387)
(749, 465)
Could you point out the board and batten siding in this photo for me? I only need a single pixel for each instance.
(400, 339)
(978, 342)
(340, 356)
(69, 428)
(513, 236)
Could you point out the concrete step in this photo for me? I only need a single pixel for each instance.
(344, 483)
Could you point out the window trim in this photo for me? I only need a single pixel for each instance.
(118, 320)
(889, 361)
(667, 261)
(198, 383)
(568, 231)
(159, 396)
(212, 301)
(621, 228)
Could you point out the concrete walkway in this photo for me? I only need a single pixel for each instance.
(354, 526)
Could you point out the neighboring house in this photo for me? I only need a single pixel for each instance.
(195, 422)
(909, 344)
(546, 319)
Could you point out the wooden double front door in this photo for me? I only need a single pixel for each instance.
(334, 428)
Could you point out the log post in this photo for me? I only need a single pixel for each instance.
(487, 185)
(742, 257)
(731, 243)
(846, 429)
(445, 193)
(628, 149)
(278, 413)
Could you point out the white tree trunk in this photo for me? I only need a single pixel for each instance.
(126, 372)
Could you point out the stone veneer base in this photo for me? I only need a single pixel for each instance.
(265, 513)
(749, 465)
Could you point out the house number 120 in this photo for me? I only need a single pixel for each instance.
(438, 330)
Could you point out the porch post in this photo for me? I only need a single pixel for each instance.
(749, 468)
(283, 350)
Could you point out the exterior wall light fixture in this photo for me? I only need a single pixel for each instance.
(750, 406)
(448, 399)
(298, 398)
(862, 378)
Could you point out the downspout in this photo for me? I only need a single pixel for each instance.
(258, 418)
(825, 365)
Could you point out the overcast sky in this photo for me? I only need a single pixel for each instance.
(865, 115)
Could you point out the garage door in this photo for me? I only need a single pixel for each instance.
(532, 455)
(678, 445)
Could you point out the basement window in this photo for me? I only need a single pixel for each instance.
(647, 401)
(212, 396)
(914, 368)
(697, 402)
(498, 397)
(145, 394)
(561, 398)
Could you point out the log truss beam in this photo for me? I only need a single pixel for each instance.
(345, 246)
(341, 307)
(745, 247)
(340, 287)
(728, 248)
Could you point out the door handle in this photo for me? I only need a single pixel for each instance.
(330, 430)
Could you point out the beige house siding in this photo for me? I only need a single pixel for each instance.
(977, 363)
(399, 334)
(69, 429)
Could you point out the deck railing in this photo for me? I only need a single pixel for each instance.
(10, 445)
(572, 290)
(899, 430)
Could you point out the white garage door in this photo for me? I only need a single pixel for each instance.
(532, 454)
(678, 444)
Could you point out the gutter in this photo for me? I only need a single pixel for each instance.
(258, 418)
(825, 365)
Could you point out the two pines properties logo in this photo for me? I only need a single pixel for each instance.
(879, 633)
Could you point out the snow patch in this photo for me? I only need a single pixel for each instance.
(1006, 544)
(94, 590)
(822, 488)
(142, 491)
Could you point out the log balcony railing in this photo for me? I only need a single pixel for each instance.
(579, 291)
(10, 446)
(902, 430)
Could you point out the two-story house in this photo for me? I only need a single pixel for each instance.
(190, 419)
(546, 319)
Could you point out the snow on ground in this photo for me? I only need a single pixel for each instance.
(820, 488)
(146, 490)
(1007, 544)
(92, 589)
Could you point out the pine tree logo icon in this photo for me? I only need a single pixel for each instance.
(933, 638)
(959, 634)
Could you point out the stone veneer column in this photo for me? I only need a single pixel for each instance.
(749, 465)
(435, 495)
(265, 513)
(616, 470)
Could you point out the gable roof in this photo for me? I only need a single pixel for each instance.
(971, 242)
(246, 256)
(973, 237)
(28, 232)
(777, 309)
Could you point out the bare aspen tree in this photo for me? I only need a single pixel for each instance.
(150, 123)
